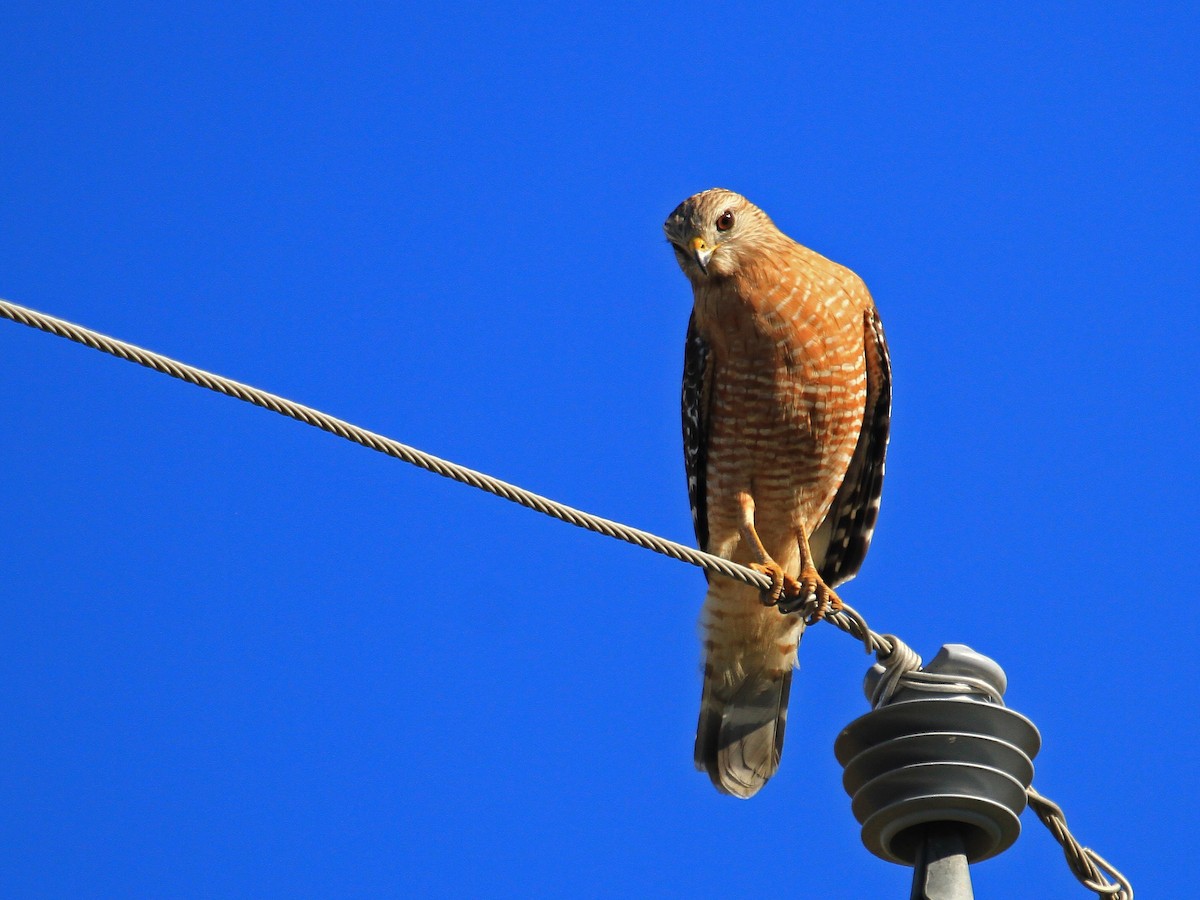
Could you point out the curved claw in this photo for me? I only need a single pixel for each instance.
(810, 589)
(770, 597)
(797, 601)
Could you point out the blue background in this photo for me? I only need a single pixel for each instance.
(241, 657)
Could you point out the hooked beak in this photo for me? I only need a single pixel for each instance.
(702, 253)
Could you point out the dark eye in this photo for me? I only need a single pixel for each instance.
(726, 221)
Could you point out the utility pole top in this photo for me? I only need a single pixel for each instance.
(938, 770)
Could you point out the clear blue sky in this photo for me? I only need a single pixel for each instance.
(239, 657)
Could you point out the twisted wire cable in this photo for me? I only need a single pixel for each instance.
(350, 432)
(1087, 865)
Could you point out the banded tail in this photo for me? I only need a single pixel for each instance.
(750, 655)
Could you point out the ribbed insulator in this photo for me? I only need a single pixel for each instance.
(931, 757)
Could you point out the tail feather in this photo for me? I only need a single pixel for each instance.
(739, 739)
(750, 652)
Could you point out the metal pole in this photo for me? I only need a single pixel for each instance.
(941, 872)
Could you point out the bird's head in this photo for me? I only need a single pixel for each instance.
(716, 232)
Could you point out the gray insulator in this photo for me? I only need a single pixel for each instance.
(932, 755)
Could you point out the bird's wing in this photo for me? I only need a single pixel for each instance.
(697, 392)
(840, 543)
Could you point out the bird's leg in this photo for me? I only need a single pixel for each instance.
(783, 585)
(811, 585)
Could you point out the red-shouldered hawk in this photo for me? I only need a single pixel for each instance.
(786, 405)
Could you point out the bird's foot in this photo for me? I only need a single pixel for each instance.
(782, 586)
(810, 588)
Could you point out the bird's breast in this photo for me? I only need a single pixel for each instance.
(788, 392)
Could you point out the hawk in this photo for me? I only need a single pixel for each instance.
(786, 407)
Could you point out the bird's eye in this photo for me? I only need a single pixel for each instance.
(725, 222)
